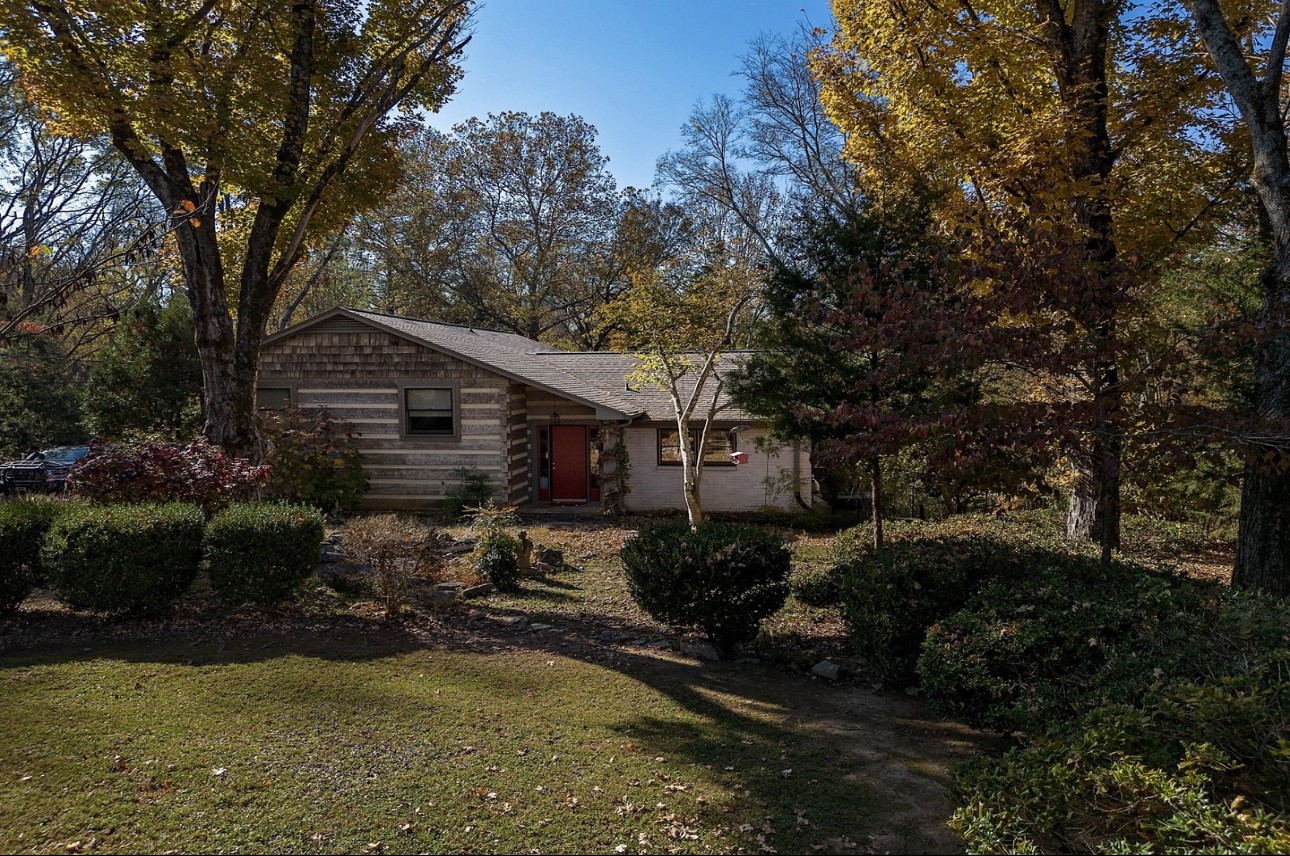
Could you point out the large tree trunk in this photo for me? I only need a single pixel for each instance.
(1094, 511)
(1263, 542)
(1263, 537)
(1262, 551)
(1081, 47)
(228, 360)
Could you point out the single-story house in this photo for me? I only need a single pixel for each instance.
(430, 400)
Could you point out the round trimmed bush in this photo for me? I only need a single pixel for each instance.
(260, 552)
(23, 524)
(136, 558)
(721, 578)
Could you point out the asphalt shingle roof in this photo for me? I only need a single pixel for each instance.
(598, 378)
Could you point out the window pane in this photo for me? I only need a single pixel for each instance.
(429, 411)
(429, 424)
(272, 399)
(669, 450)
(429, 399)
(718, 448)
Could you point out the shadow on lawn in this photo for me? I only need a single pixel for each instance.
(883, 757)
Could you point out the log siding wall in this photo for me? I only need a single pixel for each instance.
(355, 374)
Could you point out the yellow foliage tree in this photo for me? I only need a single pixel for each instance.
(1085, 122)
(257, 126)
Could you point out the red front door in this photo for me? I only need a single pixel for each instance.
(568, 463)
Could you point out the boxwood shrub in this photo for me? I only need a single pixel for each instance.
(1152, 710)
(928, 571)
(23, 524)
(136, 558)
(817, 587)
(722, 578)
(260, 552)
(1194, 766)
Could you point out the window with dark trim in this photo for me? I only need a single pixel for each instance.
(272, 398)
(429, 412)
(716, 452)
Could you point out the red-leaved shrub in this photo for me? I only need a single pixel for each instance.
(198, 472)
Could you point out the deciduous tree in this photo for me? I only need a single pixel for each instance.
(254, 124)
(508, 221)
(681, 321)
(1085, 116)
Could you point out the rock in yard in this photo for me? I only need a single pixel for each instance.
(549, 556)
(614, 635)
(513, 621)
(452, 587)
(329, 557)
(460, 546)
(700, 648)
(827, 669)
(477, 591)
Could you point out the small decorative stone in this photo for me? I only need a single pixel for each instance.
(827, 669)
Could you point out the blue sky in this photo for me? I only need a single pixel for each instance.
(632, 68)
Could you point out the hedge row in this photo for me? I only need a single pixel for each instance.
(140, 558)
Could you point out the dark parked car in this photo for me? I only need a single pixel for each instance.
(45, 471)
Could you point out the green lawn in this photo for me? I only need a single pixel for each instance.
(343, 741)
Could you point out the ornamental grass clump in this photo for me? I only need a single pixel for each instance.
(720, 578)
(260, 552)
(123, 558)
(391, 546)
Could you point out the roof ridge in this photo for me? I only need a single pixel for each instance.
(470, 327)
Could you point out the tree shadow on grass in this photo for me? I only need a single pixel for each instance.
(874, 764)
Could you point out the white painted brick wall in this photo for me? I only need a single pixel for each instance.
(739, 488)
